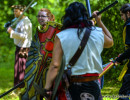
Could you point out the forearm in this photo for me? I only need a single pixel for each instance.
(18, 35)
(51, 75)
(55, 64)
(105, 30)
(123, 56)
(108, 40)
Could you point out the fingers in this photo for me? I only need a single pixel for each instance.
(45, 98)
(9, 30)
(94, 14)
(116, 63)
(97, 17)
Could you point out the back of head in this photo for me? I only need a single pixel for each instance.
(75, 14)
(125, 8)
(52, 17)
(20, 7)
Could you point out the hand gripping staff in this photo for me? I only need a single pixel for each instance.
(112, 63)
(14, 23)
(8, 24)
(107, 68)
(106, 8)
(61, 71)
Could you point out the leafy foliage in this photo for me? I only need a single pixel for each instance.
(111, 19)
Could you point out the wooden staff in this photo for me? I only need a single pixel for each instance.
(106, 8)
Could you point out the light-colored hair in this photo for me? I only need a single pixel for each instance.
(52, 17)
(20, 7)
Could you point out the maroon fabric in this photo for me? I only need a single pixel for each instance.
(61, 92)
(19, 68)
(77, 25)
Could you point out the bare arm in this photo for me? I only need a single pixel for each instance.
(55, 64)
(108, 40)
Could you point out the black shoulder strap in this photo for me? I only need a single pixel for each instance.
(80, 48)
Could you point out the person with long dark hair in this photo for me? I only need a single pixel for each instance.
(125, 89)
(84, 73)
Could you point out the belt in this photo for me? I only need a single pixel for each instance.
(83, 79)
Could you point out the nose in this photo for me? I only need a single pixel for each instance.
(14, 12)
(40, 17)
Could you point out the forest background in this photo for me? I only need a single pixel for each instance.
(111, 19)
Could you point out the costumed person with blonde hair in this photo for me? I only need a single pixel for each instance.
(40, 54)
(22, 35)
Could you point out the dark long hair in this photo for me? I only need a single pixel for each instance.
(75, 14)
(125, 8)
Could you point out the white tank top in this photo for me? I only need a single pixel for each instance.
(90, 59)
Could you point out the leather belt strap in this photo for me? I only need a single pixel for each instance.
(83, 79)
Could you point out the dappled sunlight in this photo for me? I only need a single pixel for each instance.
(109, 90)
(111, 19)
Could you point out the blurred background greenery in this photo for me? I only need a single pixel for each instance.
(111, 19)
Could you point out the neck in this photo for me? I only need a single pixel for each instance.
(22, 17)
(44, 26)
(128, 21)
